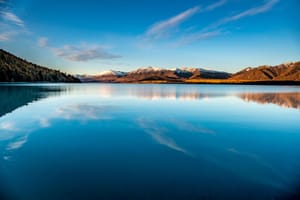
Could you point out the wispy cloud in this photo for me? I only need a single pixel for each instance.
(215, 5)
(42, 42)
(253, 11)
(215, 30)
(10, 24)
(9, 16)
(84, 53)
(194, 37)
(162, 28)
(6, 36)
(165, 28)
(250, 12)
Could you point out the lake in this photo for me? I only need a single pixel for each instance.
(127, 141)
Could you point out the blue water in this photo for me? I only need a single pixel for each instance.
(126, 141)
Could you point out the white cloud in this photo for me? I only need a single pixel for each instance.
(10, 25)
(9, 16)
(162, 28)
(214, 30)
(43, 42)
(194, 37)
(10, 33)
(216, 5)
(253, 11)
(5, 36)
(84, 53)
(250, 12)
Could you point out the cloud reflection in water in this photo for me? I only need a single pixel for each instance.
(17, 132)
(82, 112)
(159, 134)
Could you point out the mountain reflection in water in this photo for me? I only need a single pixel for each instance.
(285, 100)
(15, 96)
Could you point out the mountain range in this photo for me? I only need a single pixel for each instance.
(286, 100)
(288, 73)
(15, 69)
(152, 74)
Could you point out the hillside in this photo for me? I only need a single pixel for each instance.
(14, 69)
(283, 72)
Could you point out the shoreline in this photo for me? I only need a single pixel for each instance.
(187, 82)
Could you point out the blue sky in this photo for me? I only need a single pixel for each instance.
(88, 37)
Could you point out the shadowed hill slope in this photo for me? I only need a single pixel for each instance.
(14, 69)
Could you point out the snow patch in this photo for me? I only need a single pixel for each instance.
(148, 70)
(112, 72)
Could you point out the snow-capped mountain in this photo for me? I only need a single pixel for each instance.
(283, 72)
(147, 70)
(105, 76)
(155, 74)
(112, 73)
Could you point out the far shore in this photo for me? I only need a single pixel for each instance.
(214, 81)
(192, 81)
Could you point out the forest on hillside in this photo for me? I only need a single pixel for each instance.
(14, 69)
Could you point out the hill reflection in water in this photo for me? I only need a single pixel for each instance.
(285, 100)
(15, 96)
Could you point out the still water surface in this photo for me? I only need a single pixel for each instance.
(110, 141)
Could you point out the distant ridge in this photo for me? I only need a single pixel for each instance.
(152, 74)
(284, 72)
(288, 73)
(106, 76)
(15, 69)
